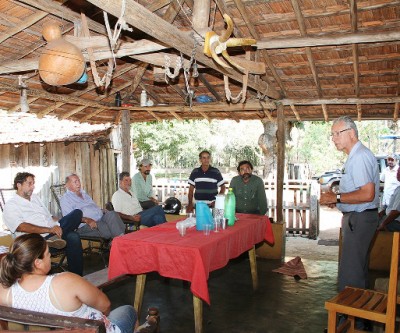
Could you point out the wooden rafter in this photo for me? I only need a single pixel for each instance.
(295, 112)
(325, 112)
(263, 53)
(303, 32)
(353, 16)
(141, 18)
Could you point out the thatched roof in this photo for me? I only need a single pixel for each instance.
(323, 58)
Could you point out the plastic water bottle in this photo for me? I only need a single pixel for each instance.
(230, 206)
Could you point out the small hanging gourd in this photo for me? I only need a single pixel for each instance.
(61, 62)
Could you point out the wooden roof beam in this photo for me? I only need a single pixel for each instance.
(354, 28)
(209, 87)
(263, 54)
(328, 40)
(303, 32)
(396, 112)
(359, 112)
(23, 24)
(141, 18)
(121, 70)
(325, 112)
(338, 101)
(295, 112)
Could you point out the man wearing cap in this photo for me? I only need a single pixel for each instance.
(389, 177)
(142, 185)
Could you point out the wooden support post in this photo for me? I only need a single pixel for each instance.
(314, 210)
(126, 140)
(198, 314)
(253, 267)
(140, 284)
(280, 163)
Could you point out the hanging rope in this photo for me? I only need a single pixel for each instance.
(113, 40)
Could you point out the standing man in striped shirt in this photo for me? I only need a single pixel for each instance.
(206, 180)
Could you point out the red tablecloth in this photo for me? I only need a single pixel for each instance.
(189, 258)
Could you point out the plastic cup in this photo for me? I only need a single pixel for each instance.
(224, 223)
(207, 229)
(217, 224)
(182, 230)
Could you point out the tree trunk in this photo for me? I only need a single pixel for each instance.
(268, 145)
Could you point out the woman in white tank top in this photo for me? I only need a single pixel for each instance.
(24, 284)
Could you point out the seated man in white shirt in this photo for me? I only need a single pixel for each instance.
(129, 208)
(25, 213)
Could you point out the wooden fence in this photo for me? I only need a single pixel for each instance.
(300, 202)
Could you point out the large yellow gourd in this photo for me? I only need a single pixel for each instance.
(61, 62)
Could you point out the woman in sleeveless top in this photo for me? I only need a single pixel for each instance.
(24, 284)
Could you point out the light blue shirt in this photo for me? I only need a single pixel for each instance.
(360, 169)
(143, 189)
(70, 201)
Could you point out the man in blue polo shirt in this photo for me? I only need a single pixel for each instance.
(206, 179)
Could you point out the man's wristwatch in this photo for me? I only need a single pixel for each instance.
(338, 198)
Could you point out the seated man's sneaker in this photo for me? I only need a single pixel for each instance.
(56, 242)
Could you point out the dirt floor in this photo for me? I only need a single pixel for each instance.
(327, 249)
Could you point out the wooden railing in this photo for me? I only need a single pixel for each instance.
(300, 202)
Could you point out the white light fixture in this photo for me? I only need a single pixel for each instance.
(23, 100)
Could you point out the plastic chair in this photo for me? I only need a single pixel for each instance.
(367, 304)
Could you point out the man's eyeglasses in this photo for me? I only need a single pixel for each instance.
(335, 134)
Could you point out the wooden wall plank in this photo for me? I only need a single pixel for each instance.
(95, 176)
(69, 160)
(78, 165)
(21, 156)
(33, 154)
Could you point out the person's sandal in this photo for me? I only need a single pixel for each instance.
(152, 324)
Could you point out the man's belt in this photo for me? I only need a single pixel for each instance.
(367, 210)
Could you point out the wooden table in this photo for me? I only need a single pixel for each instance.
(189, 258)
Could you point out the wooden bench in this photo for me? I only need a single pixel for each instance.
(12, 320)
(100, 278)
(23, 319)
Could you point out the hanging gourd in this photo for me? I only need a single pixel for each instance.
(61, 62)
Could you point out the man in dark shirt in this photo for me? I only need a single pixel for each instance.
(206, 179)
(249, 191)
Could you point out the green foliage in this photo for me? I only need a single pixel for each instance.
(173, 144)
(314, 146)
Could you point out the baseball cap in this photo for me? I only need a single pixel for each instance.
(145, 162)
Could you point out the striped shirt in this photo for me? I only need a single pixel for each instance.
(206, 183)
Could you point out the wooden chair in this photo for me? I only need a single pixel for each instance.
(57, 255)
(368, 304)
(41, 322)
(102, 247)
